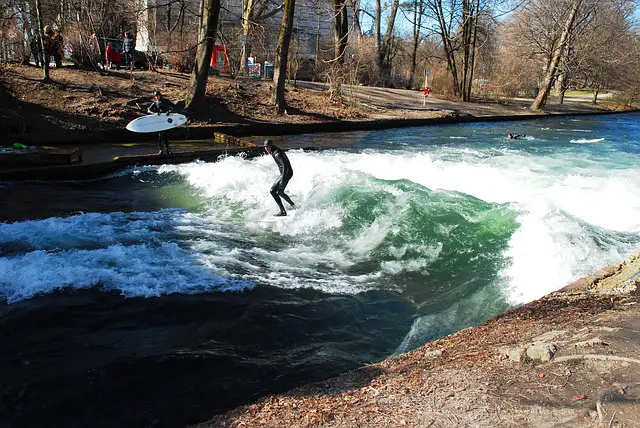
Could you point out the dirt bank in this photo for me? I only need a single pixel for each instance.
(568, 359)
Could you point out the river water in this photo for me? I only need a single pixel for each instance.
(159, 296)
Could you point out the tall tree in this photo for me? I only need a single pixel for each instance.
(600, 52)
(43, 43)
(336, 70)
(209, 13)
(550, 74)
(282, 56)
(417, 21)
(383, 45)
(340, 29)
(253, 12)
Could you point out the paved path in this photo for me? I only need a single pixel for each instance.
(412, 100)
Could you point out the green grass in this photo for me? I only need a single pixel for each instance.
(578, 94)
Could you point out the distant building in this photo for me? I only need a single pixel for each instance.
(313, 22)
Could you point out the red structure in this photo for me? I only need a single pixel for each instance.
(220, 59)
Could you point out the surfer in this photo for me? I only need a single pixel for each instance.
(162, 105)
(286, 172)
(515, 136)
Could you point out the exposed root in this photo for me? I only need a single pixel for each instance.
(595, 357)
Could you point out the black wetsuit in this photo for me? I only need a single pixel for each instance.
(162, 105)
(286, 172)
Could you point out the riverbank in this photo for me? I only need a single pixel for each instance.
(567, 359)
(87, 107)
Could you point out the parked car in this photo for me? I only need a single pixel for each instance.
(92, 53)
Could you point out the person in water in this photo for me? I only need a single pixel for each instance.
(515, 136)
(162, 105)
(286, 172)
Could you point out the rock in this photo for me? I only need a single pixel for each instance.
(514, 353)
(543, 352)
(435, 353)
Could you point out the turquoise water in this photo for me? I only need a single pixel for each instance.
(400, 236)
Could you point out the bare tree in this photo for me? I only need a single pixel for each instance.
(384, 44)
(340, 29)
(600, 53)
(253, 13)
(418, 10)
(43, 44)
(282, 56)
(209, 13)
(550, 74)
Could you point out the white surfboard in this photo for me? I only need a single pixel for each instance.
(157, 122)
(274, 219)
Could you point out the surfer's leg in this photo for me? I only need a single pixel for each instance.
(283, 185)
(166, 142)
(286, 198)
(160, 143)
(274, 193)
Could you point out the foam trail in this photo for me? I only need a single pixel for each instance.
(135, 254)
(587, 140)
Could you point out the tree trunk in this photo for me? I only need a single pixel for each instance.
(417, 20)
(282, 56)
(472, 59)
(340, 29)
(595, 95)
(561, 87)
(383, 57)
(357, 26)
(447, 43)
(340, 38)
(63, 14)
(247, 9)
(466, 44)
(377, 30)
(168, 25)
(209, 13)
(541, 98)
(26, 34)
(43, 45)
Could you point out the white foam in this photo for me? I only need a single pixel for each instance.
(557, 208)
(134, 271)
(587, 140)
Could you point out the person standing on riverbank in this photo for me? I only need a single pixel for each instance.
(162, 105)
(57, 48)
(286, 172)
(36, 49)
(128, 46)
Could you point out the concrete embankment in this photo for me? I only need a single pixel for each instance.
(202, 132)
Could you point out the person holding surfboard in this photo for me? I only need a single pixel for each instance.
(286, 172)
(162, 105)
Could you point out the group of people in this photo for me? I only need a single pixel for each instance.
(161, 105)
(113, 57)
(52, 43)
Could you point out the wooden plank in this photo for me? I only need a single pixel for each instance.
(220, 138)
(41, 156)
